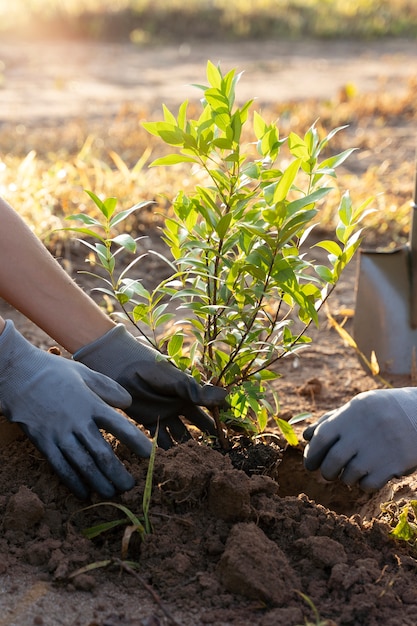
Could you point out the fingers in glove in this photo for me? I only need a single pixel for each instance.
(310, 430)
(316, 451)
(369, 484)
(60, 465)
(76, 454)
(106, 388)
(167, 380)
(354, 472)
(212, 396)
(338, 459)
(109, 470)
(378, 477)
(200, 419)
(126, 432)
(68, 476)
(86, 463)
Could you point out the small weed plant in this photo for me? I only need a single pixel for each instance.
(403, 520)
(243, 287)
(130, 521)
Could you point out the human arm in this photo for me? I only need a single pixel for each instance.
(368, 441)
(34, 283)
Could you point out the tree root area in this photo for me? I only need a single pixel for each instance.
(227, 546)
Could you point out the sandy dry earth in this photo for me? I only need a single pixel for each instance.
(44, 82)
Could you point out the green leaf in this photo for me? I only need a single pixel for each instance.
(175, 345)
(141, 313)
(121, 297)
(286, 182)
(173, 159)
(260, 127)
(311, 198)
(86, 219)
(236, 126)
(295, 225)
(170, 133)
(324, 273)
(267, 375)
(336, 160)
(311, 139)
(168, 116)
(97, 201)
(90, 567)
(223, 225)
(269, 144)
(122, 215)
(298, 147)
(125, 241)
(99, 529)
(86, 231)
(127, 512)
(331, 246)
(223, 143)
(228, 85)
(214, 76)
(147, 494)
(136, 287)
(262, 419)
(300, 417)
(163, 319)
(330, 136)
(287, 430)
(182, 115)
(404, 530)
(109, 205)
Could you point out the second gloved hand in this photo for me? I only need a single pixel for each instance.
(61, 406)
(161, 392)
(368, 441)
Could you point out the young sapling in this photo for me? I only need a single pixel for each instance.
(243, 287)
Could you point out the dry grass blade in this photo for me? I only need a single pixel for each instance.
(127, 567)
(372, 363)
(90, 568)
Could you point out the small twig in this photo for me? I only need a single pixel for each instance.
(224, 442)
(148, 588)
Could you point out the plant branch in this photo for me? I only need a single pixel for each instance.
(253, 319)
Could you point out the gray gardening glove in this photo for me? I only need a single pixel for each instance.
(368, 441)
(161, 393)
(61, 405)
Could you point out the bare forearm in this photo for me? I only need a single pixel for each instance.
(35, 284)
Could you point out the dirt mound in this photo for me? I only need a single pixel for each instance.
(226, 548)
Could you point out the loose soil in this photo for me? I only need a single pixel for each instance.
(228, 547)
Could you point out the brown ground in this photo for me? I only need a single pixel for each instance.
(226, 548)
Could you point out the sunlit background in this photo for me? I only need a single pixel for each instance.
(44, 168)
(209, 18)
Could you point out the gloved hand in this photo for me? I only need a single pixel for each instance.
(161, 393)
(368, 441)
(61, 405)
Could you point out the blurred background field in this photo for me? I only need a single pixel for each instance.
(45, 165)
(145, 20)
